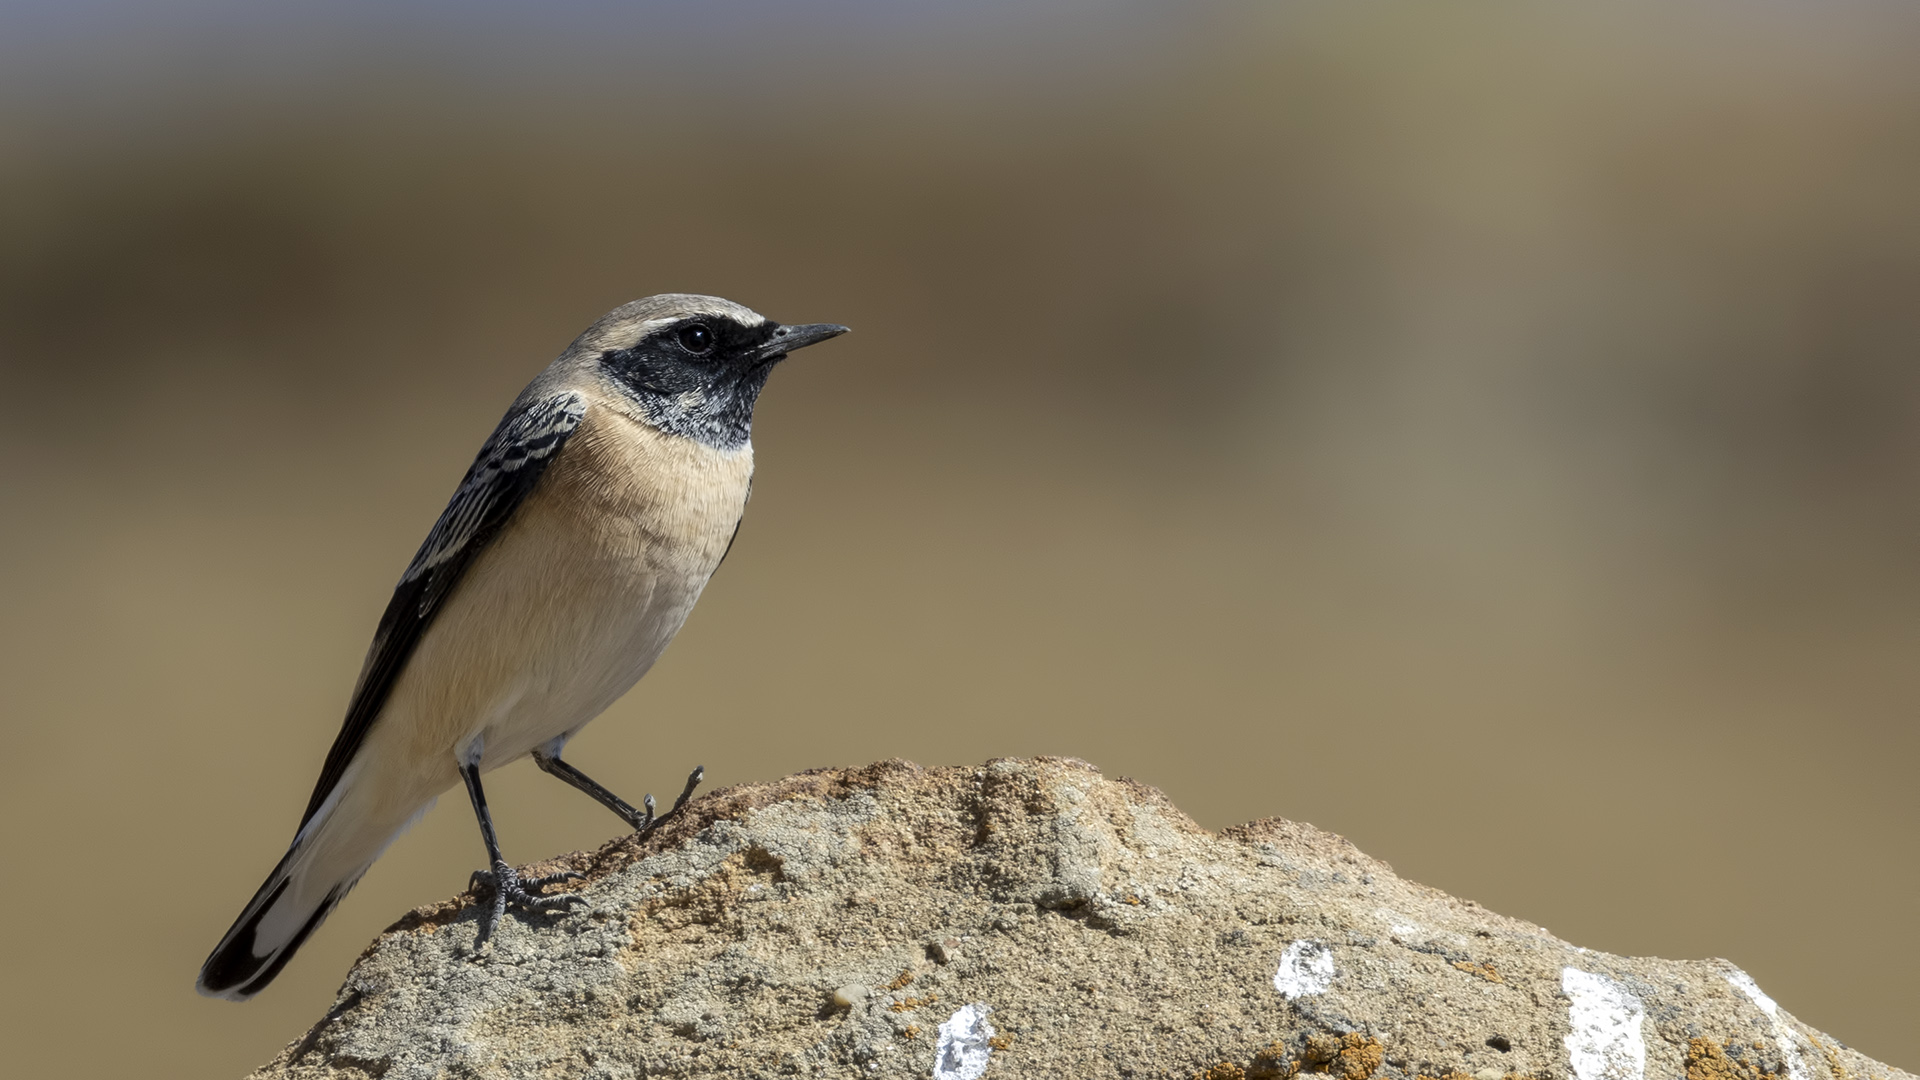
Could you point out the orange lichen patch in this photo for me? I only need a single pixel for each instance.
(1000, 1042)
(1352, 1056)
(914, 1003)
(1131, 899)
(1708, 1060)
(1834, 1066)
(1485, 971)
(901, 980)
(912, 1032)
(1272, 1062)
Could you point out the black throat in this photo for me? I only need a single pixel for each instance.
(709, 400)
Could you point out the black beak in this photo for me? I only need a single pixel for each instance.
(785, 339)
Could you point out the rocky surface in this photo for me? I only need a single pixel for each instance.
(1025, 918)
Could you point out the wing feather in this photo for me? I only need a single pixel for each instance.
(508, 466)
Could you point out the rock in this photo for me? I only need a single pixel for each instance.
(1027, 918)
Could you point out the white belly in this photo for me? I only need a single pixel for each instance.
(564, 686)
(571, 604)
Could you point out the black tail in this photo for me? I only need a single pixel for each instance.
(245, 961)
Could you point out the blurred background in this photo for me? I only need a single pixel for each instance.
(1489, 431)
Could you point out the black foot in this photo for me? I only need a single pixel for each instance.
(644, 824)
(508, 887)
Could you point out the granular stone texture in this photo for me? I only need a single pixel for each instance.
(1025, 918)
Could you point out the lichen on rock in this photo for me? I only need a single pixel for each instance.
(866, 923)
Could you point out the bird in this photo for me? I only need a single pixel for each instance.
(569, 556)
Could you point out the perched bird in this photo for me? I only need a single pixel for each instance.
(568, 558)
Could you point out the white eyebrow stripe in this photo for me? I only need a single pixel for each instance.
(743, 316)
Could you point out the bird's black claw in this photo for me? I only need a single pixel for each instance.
(698, 774)
(652, 821)
(558, 877)
(509, 888)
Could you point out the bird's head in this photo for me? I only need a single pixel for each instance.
(694, 365)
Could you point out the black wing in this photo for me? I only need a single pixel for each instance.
(507, 468)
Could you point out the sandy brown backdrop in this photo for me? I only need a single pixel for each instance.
(1491, 434)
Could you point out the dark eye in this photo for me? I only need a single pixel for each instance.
(696, 338)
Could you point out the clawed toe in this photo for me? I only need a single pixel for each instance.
(509, 889)
(524, 892)
(559, 877)
(528, 893)
(645, 823)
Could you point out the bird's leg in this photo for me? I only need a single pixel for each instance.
(508, 885)
(640, 821)
(552, 765)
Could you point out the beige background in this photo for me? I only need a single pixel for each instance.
(1490, 435)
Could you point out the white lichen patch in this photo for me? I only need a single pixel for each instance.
(1605, 1043)
(1783, 1034)
(965, 1044)
(1306, 969)
(879, 870)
